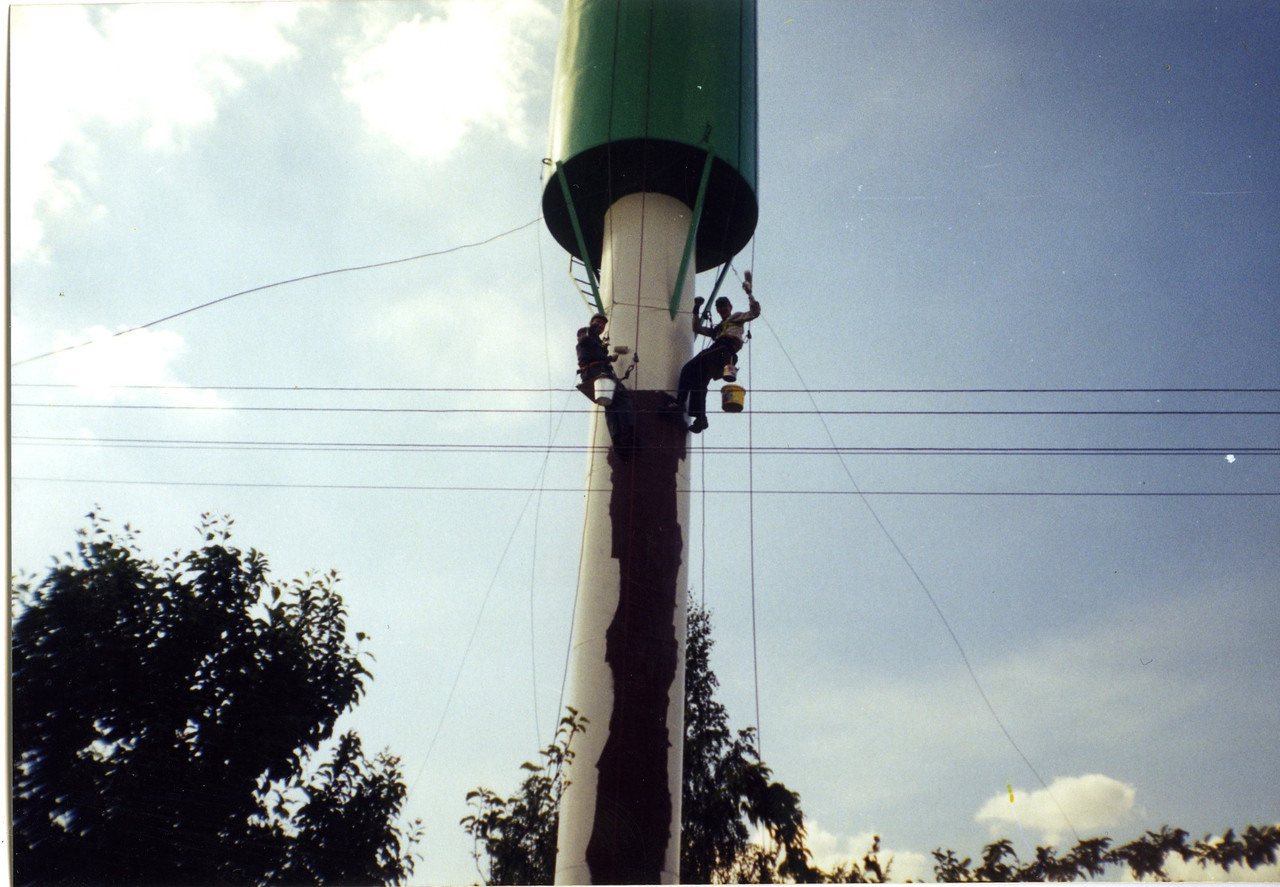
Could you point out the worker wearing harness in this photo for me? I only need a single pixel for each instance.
(594, 361)
(709, 363)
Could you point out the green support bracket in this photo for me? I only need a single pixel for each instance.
(693, 232)
(577, 232)
(724, 269)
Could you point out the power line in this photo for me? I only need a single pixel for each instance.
(589, 410)
(863, 497)
(267, 286)
(576, 449)
(475, 630)
(493, 390)
(578, 490)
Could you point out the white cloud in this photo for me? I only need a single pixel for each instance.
(164, 68)
(1179, 870)
(103, 370)
(426, 83)
(452, 340)
(830, 850)
(1090, 803)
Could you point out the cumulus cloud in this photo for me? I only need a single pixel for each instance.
(104, 370)
(426, 83)
(447, 339)
(164, 68)
(1179, 869)
(830, 850)
(1090, 803)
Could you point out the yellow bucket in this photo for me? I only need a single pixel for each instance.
(732, 398)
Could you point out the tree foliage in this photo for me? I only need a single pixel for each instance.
(726, 785)
(727, 788)
(517, 835)
(167, 719)
(1090, 858)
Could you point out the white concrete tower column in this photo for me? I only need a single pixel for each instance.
(620, 814)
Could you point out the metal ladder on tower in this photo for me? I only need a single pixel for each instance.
(583, 280)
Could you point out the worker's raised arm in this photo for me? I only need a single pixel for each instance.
(698, 327)
(753, 307)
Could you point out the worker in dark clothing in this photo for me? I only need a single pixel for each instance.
(709, 363)
(595, 361)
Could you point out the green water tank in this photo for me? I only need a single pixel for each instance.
(643, 91)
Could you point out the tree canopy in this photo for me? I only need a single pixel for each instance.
(726, 785)
(517, 835)
(168, 724)
(1091, 857)
(727, 788)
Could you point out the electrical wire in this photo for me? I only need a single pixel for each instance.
(751, 547)
(577, 449)
(537, 511)
(928, 593)
(475, 628)
(267, 286)
(731, 491)
(587, 411)
(702, 511)
(754, 391)
(750, 451)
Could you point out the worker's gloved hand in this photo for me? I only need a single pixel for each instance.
(697, 303)
(746, 283)
(621, 349)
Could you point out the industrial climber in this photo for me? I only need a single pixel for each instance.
(595, 361)
(710, 363)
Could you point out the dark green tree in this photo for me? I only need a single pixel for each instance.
(1092, 857)
(517, 835)
(726, 786)
(168, 720)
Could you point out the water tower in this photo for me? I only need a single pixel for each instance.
(651, 177)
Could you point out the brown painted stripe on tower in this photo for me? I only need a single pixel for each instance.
(634, 806)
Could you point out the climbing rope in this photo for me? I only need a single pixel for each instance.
(751, 523)
(751, 528)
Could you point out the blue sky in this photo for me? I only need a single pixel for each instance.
(965, 208)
